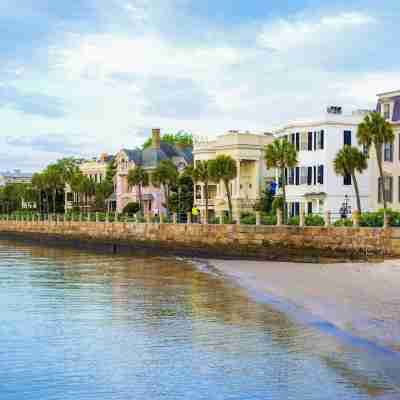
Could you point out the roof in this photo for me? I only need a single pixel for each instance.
(150, 157)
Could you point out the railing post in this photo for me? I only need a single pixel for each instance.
(328, 220)
(189, 218)
(174, 218)
(385, 220)
(278, 217)
(161, 215)
(302, 216)
(258, 218)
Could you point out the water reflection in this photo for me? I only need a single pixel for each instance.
(84, 325)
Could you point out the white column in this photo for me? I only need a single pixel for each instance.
(238, 179)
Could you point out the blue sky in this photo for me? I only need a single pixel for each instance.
(86, 76)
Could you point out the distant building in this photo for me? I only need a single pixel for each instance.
(15, 176)
(96, 170)
(247, 149)
(389, 107)
(148, 159)
(313, 182)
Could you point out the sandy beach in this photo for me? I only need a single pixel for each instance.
(360, 298)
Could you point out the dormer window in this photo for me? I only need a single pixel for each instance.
(386, 111)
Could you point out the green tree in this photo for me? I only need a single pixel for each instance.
(182, 137)
(201, 173)
(140, 178)
(348, 161)
(375, 131)
(223, 168)
(281, 154)
(39, 185)
(165, 175)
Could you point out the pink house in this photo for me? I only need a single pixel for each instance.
(148, 159)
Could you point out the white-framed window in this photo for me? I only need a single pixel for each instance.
(386, 111)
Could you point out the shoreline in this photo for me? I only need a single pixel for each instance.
(358, 299)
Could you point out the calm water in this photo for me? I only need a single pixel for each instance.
(81, 326)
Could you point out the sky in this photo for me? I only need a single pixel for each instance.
(88, 76)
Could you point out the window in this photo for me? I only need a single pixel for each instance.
(293, 139)
(387, 189)
(321, 174)
(365, 150)
(198, 192)
(303, 176)
(310, 141)
(347, 138)
(386, 111)
(388, 152)
(304, 141)
(297, 141)
(309, 176)
(297, 176)
(309, 207)
(347, 180)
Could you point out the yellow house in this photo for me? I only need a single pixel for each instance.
(247, 149)
(389, 107)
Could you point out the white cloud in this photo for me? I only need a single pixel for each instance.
(299, 31)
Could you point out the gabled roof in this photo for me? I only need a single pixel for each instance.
(150, 157)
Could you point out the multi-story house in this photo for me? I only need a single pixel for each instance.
(313, 183)
(389, 107)
(96, 170)
(15, 176)
(148, 159)
(247, 149)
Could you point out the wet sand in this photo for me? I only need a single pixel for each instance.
(360, 298)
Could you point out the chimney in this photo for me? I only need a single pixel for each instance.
(155, 138)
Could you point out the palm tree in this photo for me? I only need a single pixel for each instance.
(281, 154)
(201, 173)
(140, 178)
(376, 131)
(223, 168)
(348, 161)
(38, 184)
(165, 175)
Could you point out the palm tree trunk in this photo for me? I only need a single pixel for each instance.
(353, 177)
(378, 150)
(228, 194)
(140, 198)
(206, 194)
(284, 211)
(54, 201)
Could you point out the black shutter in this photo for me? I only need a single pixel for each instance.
(297, 176)
(315, 140)
(297, 208)
(297, 141)
(322, 139)
(309, 176)
(321, 174)
(347, 180)
(286, 176)
(315, 174)
(347, 138)
(309, 141)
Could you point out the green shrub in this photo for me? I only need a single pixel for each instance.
(268, 219)
(293, 221)
(248, 219)
(314, 220)
(371, 219)
(131, 208)
(343, 222)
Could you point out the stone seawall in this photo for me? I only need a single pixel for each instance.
(248, 241)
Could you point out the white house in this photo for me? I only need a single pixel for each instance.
(314, 182)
